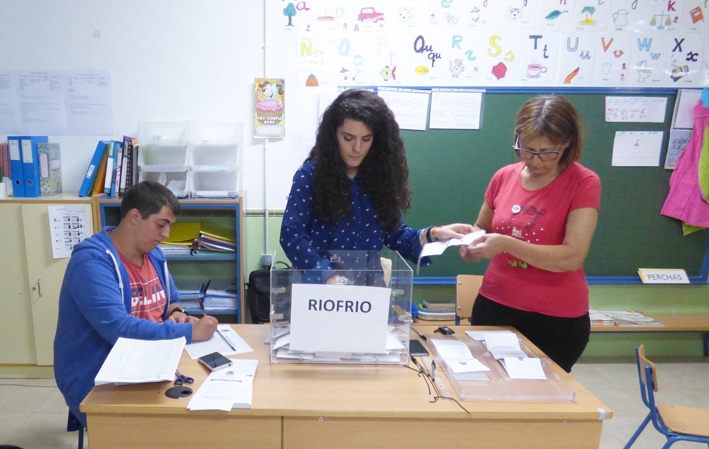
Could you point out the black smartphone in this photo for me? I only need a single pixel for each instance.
(445, 330)
(215, 361)
(417, 348)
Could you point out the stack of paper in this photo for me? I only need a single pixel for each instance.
(191, 295)
(221, 297)
(600, 318)
(213, 238)
(227, 388)
(459, 360)
(141, 361)
(504, 346)
(627, 318)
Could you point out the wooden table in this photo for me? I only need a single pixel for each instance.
(319, 406)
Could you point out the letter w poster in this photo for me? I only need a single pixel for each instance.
(339, 318)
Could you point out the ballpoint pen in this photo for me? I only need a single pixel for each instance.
(226, 340)
(423, 337)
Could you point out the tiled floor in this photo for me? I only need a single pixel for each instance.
(33, 414)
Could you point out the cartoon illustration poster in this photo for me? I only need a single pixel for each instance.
(269, 108)
(483, 43)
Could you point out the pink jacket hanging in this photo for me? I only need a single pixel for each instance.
(685, 200)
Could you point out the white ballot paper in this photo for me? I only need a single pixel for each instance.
(457, 356)
(437, 248)
(134, 361)
(524, 368)
(224, 341)
(504, 344)
(228, 388)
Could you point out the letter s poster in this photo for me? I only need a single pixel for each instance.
(269, 108)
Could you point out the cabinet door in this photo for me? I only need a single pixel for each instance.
(16, 326)
(45, 275)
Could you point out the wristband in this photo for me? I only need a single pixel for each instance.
(428, 234)
(178, 309)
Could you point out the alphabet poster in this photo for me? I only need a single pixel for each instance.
(491, 43)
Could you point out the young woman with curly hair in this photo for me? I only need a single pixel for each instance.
(352, 189)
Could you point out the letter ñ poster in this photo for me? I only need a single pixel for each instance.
(269, 107)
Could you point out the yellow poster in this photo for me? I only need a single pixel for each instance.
(269, 107)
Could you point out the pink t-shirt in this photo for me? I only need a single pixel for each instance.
(539, 217)
(147, 294)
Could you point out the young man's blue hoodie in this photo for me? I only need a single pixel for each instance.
(94, 310)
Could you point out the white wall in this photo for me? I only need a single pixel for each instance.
(169, 60)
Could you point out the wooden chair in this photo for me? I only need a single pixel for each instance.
(466, 290)
(676, 423)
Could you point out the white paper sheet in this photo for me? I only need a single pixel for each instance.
(225, 341)
(134, 361)
(228, 388)
(437, 248)
(637, 148)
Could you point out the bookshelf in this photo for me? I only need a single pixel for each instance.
(191, 269)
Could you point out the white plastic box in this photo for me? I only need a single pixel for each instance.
(214, 184)
(327, 333)
(175, 181)
(215, 157)
(215, 133)
(215, 147)
(163, 146)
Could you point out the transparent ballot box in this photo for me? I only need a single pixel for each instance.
(495, 384)
(361, 316)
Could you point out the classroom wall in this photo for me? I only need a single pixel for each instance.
(169, 60)
(188, 60)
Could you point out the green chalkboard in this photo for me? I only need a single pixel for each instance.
(450, 170)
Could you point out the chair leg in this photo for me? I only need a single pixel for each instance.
(638, 431)
(81, 438)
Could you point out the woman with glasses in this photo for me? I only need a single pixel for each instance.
(353, 188)
(539, 215)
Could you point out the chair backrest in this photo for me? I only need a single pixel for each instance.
(648, 378)
(466, 289)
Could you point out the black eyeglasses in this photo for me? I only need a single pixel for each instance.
(528, 155)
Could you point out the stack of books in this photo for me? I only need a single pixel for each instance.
(221, 298)
(622, 318)
(113, 168)
(198, 238)
(213, 239)
(435, 311)
(191, 295)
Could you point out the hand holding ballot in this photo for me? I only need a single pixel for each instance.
(437, 248)
(484, 246)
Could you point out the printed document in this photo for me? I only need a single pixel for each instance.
(134, 361)
(228, 388)
(224, 341)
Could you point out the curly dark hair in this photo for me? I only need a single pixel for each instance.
(384, 172)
